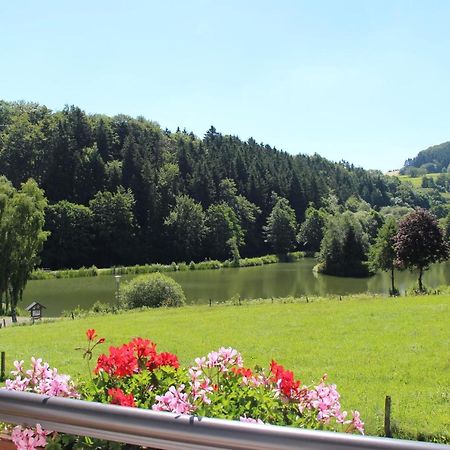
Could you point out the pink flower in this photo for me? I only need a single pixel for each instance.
(40, 379)
(325, 399)
(223, 360)
(244, 418)
(28, 438)
(174, 400)
(356, 422)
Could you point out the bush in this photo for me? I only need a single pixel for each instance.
(152, 290)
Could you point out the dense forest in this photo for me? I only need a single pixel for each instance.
(432, 160)
(122, 190)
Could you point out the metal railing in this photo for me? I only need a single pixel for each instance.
(177, 432)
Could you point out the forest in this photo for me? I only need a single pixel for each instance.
(122, 190)
(434, 159)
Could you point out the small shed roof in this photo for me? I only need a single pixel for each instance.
(35, 305)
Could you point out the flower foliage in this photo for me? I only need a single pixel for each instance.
(216, 385)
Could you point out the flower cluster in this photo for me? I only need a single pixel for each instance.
(284, 380)
(129, 359)
(174, 400)
(221, 376)
(28, 438)
(223, 360)
(118, 397)
(40, 379)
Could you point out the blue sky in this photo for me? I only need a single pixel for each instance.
(364, 81)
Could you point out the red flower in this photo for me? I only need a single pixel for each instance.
(285, 380)
(91, 335)
(101, 340)
(121, 362)
(143, 347)
(118, 397)
(167, 359)
(137, 355)
(242, 371)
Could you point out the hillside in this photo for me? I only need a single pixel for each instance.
(119, 186)
(432, 160)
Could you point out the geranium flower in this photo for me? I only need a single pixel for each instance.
(285, 380)
(118, 397)
(91, 334)
(174, 400)
(167, 359)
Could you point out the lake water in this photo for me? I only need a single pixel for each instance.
(273, 280)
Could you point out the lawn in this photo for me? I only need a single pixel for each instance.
(370, 347)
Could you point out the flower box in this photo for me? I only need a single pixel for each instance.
(6, 443)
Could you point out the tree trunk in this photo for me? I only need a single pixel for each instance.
(420, 279)
(13, 314)
(392, 281)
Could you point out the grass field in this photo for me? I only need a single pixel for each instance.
(417, 181)
(370, 347)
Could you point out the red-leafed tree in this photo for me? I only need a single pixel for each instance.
(420, 242)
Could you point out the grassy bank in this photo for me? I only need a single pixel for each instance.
(369, 347)
(173, 267)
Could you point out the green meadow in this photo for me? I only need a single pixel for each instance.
(369, 347)
(417, 181)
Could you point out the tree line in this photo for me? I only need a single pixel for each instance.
(434, 159)
(355, 240)
(122, 190)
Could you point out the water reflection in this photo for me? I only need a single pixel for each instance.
(275, 280)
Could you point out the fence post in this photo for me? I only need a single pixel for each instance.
(387, 417)
(2, 368)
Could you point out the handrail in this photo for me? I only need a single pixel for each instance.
(178, 432)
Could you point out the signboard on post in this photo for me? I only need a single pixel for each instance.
(35, 310)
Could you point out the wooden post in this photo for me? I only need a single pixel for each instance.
(239, 300)
(307, 299)
(210, 302)
(387, 417)
(4, 323)
(2, 368)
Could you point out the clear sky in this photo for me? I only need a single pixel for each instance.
(364, 81)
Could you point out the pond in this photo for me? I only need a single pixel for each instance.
(273, 280)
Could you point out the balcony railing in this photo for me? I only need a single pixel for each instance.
(178, 432)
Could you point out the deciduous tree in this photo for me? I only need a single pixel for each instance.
(281, 227)
(21, 238)
(382, 253)
(420, 242)
(344, 247)
(311, 231)
(187, 227)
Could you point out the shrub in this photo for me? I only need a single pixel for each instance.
(102, 308)
(152, 290)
